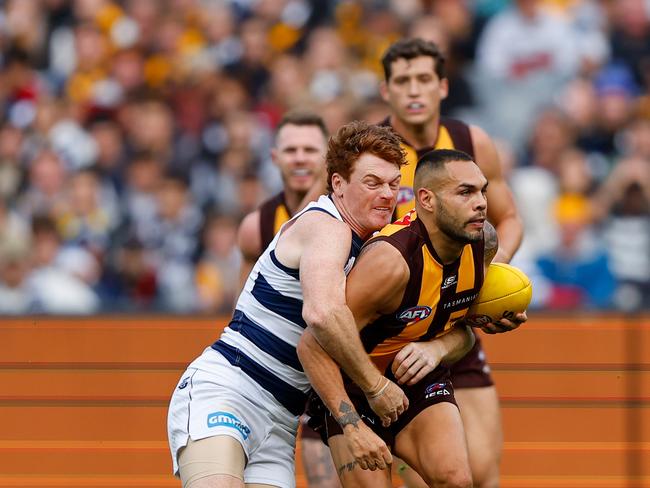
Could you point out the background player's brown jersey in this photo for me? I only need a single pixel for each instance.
(452, 134)
(273, 213)
(436, 295)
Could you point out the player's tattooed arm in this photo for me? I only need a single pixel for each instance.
(491, 242)
(349, 416)
(368, 450)
(347, 467)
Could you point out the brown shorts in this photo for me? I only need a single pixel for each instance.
(472, 371)
(434, 388)
(306, 432)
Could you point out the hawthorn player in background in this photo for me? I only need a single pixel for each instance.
(414, 86)
(299, 154)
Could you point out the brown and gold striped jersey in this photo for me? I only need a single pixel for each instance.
(436, 296)
(273, 213)
(452, 134)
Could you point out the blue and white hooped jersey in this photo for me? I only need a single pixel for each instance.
(266, 326)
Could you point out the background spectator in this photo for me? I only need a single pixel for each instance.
(135, 134)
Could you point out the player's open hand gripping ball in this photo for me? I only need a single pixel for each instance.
(502, 302)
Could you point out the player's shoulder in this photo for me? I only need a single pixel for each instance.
(485, 152)
(319, 219)
(490, 242)
(381, 248)
(479, 135)
(319, 224)
(249, 237)
(384, 262)
(404, 234)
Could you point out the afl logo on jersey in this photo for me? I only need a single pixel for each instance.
(414, 314)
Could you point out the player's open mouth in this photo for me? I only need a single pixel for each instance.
(415, 107)
(477, 222)
(300, 172)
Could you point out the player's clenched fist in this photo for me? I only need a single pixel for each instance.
(387, 400)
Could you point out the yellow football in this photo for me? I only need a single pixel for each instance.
(506, 291)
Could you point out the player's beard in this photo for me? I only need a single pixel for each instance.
(451, 226)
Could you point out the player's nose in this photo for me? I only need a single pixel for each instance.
(386, 191)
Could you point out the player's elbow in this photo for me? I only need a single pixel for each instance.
(316, 317)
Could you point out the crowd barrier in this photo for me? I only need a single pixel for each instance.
(83, 400)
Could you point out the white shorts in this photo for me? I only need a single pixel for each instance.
(215, 398)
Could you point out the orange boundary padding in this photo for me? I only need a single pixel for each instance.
(575, 394)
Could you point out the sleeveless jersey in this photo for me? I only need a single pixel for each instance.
(266, 326)
(435, 296)
(273, 213)
(452, 134)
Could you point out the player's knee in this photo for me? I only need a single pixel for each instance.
(451, 478)
(486, 473)
(459, 479)
(489, 479)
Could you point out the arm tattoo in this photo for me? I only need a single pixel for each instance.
(347, 466)
(491, 242)
(349, 417)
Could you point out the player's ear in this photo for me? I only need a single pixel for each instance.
(444, 88)
(337, 184)
(426, 199)
(383, 91)
(274, 155)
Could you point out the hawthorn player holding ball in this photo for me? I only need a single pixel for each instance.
(414, 86)
(409, 291)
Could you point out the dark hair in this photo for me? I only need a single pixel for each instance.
(358, 137)
(437, 159)
(440, 157)
(303, 118)
(177, 177)
(410, 49)
(44, 224)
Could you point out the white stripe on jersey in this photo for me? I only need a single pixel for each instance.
(298, 379)
(269, 316)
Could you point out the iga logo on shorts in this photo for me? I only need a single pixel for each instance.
(414, 314)
(436, 389)
(226, 419)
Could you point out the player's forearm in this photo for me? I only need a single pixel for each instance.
(510, 231)
(337, 334)
(456, 344)
(324, 375)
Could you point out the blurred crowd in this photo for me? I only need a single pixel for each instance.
(135, 134)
